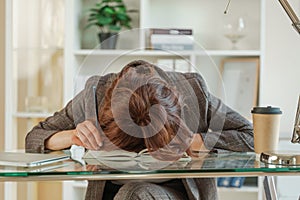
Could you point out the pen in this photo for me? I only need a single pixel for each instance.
(96, 107)
(96, 111)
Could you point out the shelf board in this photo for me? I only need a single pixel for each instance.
(31, 115)
(241, 189)
(229, 52)
(39, 49)
(98, 52)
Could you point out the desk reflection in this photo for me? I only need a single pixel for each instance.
(207, 163)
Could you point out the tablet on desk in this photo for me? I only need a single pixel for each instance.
(19, 159)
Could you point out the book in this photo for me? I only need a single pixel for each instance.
(171, 31)
(172, 42)
(121, 159)
(171, 39)
(172, 47)
(235, 182)
(223, 181)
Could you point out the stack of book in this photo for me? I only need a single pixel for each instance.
(171, 39)
(235, 182)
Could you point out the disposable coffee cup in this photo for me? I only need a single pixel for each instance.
(266, 124)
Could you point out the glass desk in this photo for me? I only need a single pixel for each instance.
(210, 165)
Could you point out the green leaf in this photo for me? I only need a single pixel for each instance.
(122, 17)
(108, 10)
(114, 28)
(121, 8)
(104, 20)
(109, 15)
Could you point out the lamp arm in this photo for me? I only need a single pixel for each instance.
(292, 15)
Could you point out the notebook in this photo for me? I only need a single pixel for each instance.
(19, 159)
(125, 160)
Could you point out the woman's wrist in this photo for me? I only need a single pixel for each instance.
(197, 147)
(197, 143)
(75, 139)
(61, 140)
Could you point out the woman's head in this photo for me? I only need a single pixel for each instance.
(141, 110)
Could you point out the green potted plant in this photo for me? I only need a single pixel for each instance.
(110, 16)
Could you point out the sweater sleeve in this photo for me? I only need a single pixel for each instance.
(222, 127)
(65, 119)
(59, 121)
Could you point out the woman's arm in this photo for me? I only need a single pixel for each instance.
(85, 134)
(225, 128)
(35, 140)
(228, 129)
(56, 131)
(61, 140)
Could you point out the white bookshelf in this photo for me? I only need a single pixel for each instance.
(85, 52)
(205, 17)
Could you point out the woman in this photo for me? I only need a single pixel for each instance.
(141, 107)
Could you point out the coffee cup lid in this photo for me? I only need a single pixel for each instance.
(266, 110)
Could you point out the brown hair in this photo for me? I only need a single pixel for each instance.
(141, 110)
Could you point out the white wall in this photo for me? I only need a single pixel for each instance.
(280, 79)
(2, 64)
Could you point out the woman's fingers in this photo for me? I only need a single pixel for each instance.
(89, 135)
(86, 137)
(95, 132)
(76, 140)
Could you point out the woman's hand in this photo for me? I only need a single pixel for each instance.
(87, 135)
(197, 146)
(197, 143)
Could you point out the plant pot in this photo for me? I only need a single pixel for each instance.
(108, 40)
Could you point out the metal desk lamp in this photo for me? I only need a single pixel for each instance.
(292, 15)
(296, 133)
(279, 157)
(296, 24)
(282, 158)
